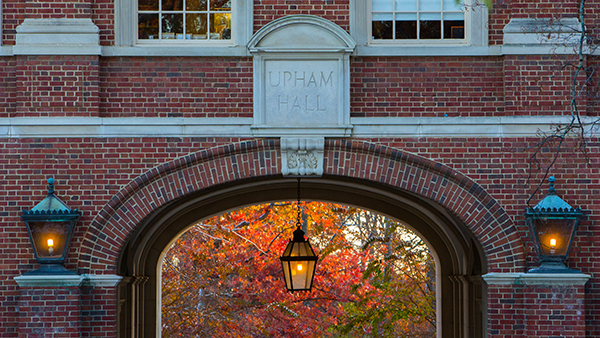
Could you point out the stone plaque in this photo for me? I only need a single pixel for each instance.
(300, 93)
(301, 78)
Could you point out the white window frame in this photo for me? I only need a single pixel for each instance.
(127, 43)
(371, 41)
(474, 43)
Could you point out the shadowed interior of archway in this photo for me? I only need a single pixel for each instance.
(222, 277)
(461, 259)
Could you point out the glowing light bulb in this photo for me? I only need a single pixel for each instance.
(50, 246)
(552, 246)
(299, 267)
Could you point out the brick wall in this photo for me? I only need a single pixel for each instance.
(90, 172)
(536, 311)
(336, 11)
(8, 84)
(426, 86)
(544, 82)
(38, 307)
(176, 87)
(57, 86)
(98, 311)
(103, 16)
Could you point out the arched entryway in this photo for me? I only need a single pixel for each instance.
(468, 230)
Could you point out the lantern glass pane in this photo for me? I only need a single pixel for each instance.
(554, 235)
(299, 274)
(286, 274)
(302, 249)
(288, 249)
(310, 273)
(49, 238)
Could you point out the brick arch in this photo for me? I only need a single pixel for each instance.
(466, 199)
(166, 183)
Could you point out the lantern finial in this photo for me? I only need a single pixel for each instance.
(51, 186)
(551, 190)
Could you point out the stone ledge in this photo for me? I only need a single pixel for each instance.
(536, 278)
(101, 280)
(49, 280)
(523, 33)
(57, 37)
(507, 126)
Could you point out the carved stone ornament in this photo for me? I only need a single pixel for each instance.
(302, 156)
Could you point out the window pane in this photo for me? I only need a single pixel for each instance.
(406, 29)
(382, 29)
(195, 26)
(148, 26)
(430, 5)
(172, 5)
(172, 24)
(406, 26)
(148, 5)
(430, 26)
(454, 29)
(454, 16)
(220, 5)
(382, 5)
(195, 5)
(220, 27)
(451, 5)
(406, 5)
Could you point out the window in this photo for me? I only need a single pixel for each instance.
(419, 27)
(181, 28)
(414, 20)
(184, 20)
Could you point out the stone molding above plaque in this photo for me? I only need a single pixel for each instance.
(301, 78)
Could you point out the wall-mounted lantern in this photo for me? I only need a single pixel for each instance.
(50, 226)
(552, 223)
(298, 260)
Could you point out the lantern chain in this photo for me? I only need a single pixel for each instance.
(298, 224)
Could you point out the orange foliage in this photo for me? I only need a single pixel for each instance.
(223, 277)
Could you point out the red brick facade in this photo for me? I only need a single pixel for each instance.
(121, 182)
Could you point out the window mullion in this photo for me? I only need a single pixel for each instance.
(184, 28)
(418, 20)
(160, 14)
(393, 19)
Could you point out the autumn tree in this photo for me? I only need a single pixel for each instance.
(222, 278)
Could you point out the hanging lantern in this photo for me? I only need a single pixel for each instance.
(298, 260)
(552, 223)
(50, 227)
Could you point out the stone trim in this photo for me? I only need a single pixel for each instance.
(536, 278)
(541, 36)
(49, 280)
(293, 25)
(101, 280)
(509, 126)
(57, 37)
(302, 156)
